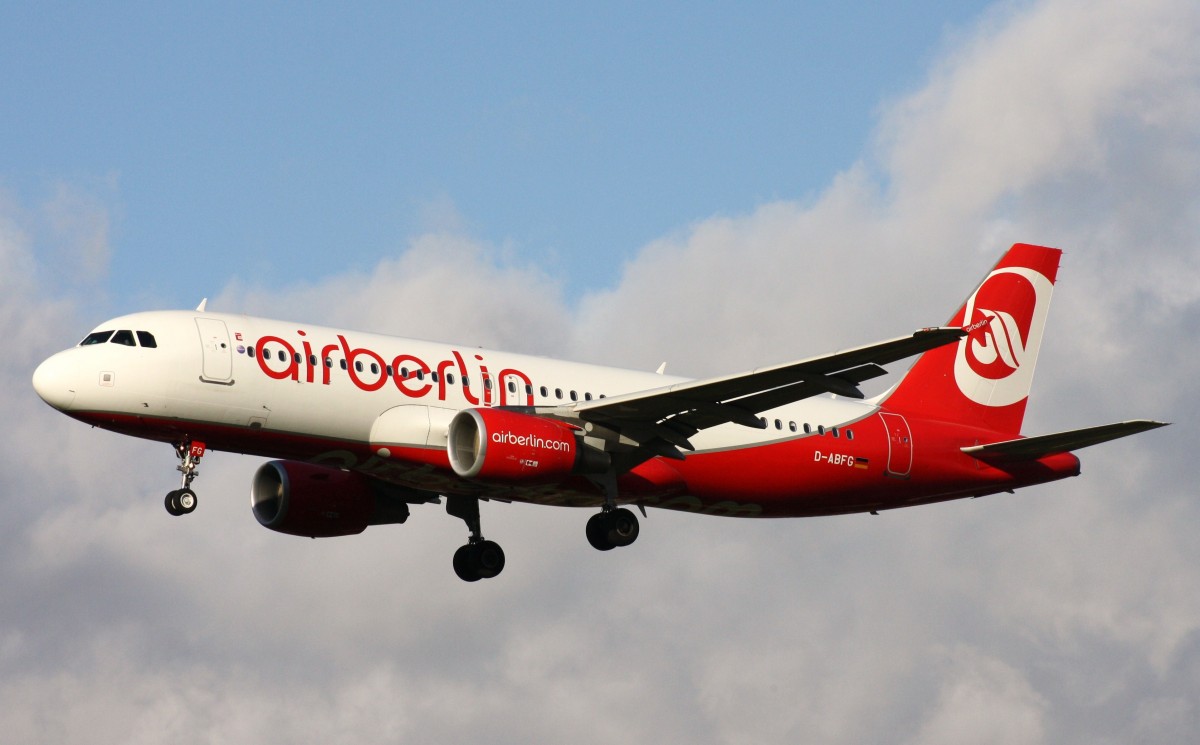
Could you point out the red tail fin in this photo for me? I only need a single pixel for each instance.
(984, 379)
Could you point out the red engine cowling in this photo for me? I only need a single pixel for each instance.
(318, 502)
(507, 446)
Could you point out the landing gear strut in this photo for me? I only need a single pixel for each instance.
(183, 500)
(479, 558)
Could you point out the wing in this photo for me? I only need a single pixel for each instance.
(1032, 448)
(660, 421)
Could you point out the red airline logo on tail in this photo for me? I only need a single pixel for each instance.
(994, 366)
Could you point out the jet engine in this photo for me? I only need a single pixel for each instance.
(319, 502)
(507, 446)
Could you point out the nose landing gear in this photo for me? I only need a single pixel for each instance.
(183, 500)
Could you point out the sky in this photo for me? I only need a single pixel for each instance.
(720, 187)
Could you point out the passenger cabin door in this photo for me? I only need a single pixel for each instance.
(900, 449)
(218, 356)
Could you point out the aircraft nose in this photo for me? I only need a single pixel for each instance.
(52, 381)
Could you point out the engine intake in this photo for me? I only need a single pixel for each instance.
(319, 502)
(508, 446)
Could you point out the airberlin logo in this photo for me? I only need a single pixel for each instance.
(531, 441)
(1004, 321)
(304, 361)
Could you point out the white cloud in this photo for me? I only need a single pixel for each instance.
(983, 700)
(1065, 613)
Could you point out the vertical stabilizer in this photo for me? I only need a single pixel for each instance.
(984, 380)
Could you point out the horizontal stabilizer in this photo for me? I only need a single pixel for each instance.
(1032, 448)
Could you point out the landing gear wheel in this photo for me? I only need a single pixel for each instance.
(476, 561)
(186, 500)
(464, 564)
(489, 557)
(180, 502)
(479, 559)
(612, 529)
(597, 532)
(623, 527)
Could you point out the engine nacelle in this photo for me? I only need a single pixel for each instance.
(319, 502)
(508, 446)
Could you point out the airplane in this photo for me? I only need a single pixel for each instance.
(364, 426)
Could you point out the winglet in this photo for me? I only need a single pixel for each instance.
(203, 304)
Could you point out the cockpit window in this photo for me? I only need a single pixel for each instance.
(96, 337)
(124, 336)
(146, 339)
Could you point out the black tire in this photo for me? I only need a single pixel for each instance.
(623, 527)
(186, 501)
(171, 504)
(597, 532)
(489, 559)
(465, 565)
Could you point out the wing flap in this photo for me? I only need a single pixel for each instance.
(1032, 448)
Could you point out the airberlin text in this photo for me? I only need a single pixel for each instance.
(533, 441)
(369, 371)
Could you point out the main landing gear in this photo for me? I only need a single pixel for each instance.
(479, 558)
(182, 501)
(612, 528)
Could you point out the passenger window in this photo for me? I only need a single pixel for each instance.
(574, 396)
(146, 339)
(404, 372)
(250, 352)
(545, 393)
(449, 378)
(558, 393)
(820, 429)
(849, 434)
(834, 432)
(342, 363)
(792, 426)
(807, 428)
(389, 370)
(487, 383)
(266, 353)
(374, 368)
(328, 362)
(298, 358)
(433, 376)
(512, 387)
(96, 337)
(123, 337)
(312, 360)
(587, 396)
